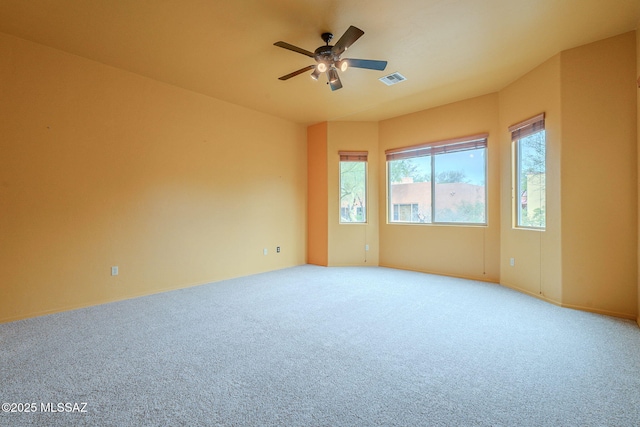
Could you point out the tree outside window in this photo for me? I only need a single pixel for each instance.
(531, 180)
(353, 192)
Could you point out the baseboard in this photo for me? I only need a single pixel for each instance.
(62, 309)
(440, 273)
(600, 311)
(573, 306)
(532, 294)
(133, 295)
(351, 265)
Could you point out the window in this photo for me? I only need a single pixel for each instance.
(353, 187)
(405, 212)
(529, 147)
(441, 182)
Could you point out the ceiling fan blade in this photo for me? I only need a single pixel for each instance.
(295, 73)
(336, 84)
(288, 46)
(348, 38)
(369, 64)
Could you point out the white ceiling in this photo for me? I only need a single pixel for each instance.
(448, 49)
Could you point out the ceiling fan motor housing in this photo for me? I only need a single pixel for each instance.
(325, 54)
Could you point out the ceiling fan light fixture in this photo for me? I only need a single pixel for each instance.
(315, 74)
(321, 67)
(343, 64)
(333, 74)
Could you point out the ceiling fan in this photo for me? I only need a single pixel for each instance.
(328, 58)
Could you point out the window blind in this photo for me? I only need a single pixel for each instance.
(439, 147)
(353, 156)
(527, 127)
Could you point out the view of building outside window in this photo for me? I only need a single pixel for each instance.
(410, 190)
(443, 188)
(531, 180)
(353, 192)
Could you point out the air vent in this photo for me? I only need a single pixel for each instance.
(392, 79)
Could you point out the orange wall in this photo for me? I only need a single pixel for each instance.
(537, 254)
(331, 243)
(587, 256)
(599, 176)
(638, 149)
(101, 167)
(317, 194)
(472, 252)
(347, 242)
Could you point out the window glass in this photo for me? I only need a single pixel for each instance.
(531, 180)
(460, 187)
(410, 189)
(353, 191)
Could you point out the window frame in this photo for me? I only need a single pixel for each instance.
(519, 131)
(398, 205)
(353, 157)
(432, 150)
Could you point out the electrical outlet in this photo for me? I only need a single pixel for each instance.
(512, 262)
(278, 249)
(366, 247)
(114, 270)
(264, 251)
